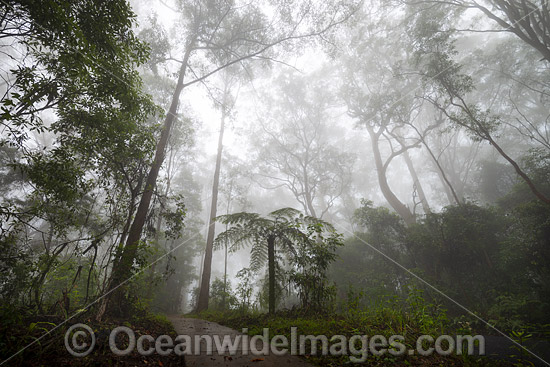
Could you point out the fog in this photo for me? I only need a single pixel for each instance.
(411, 139)
(269, 106)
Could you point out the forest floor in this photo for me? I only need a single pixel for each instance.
(51, 350)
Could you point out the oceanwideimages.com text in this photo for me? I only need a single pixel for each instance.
(358, 347)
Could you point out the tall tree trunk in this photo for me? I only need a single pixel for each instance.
(225, 245)
(123, 268)
(207, 266)
(307, 194)
(417, 184)
(158, 225)
(271, 272)
(395, 203)
(443, 177)
(447, 186)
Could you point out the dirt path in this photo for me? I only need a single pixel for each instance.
(193, 327)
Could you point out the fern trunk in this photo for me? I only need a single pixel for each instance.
(271, 272)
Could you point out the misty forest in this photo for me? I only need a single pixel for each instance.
(345, 167)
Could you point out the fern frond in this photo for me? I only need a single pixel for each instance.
(287, 213)
(238, 218)
(258, 256)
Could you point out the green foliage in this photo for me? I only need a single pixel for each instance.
(309, 266)
(175, 219)
(361, 267)
(379, 221)
(521, 336)
(411, 319)
(525, 253)
(66, 286)
(263, 295)
(244, 290)
(308, 243)
(221, 295)
(427, 315)
(488, 261)
(459, 248)
(495, 181)
(78, 63)
(15, 267)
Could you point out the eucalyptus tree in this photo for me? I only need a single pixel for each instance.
(451, 154)
(455, 158)
(176, 196)
(449, 88)
(172, 204)
(518, 91)
(528, 20)
(225, 102)
(298, 144)
(218, 34)
(234, 195)
(380, 97)
(285, 230)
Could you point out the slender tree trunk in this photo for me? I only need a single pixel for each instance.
(395, 203)
(225, 245)
(417, 184)
(447, 186)
(449, 189)
(307, 193)
(485, 134)
(123, 268)
(158, 225)
(207, 267)
(271, 272)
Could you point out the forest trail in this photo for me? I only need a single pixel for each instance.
(197, 327)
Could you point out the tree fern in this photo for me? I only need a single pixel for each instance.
(291, 233)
